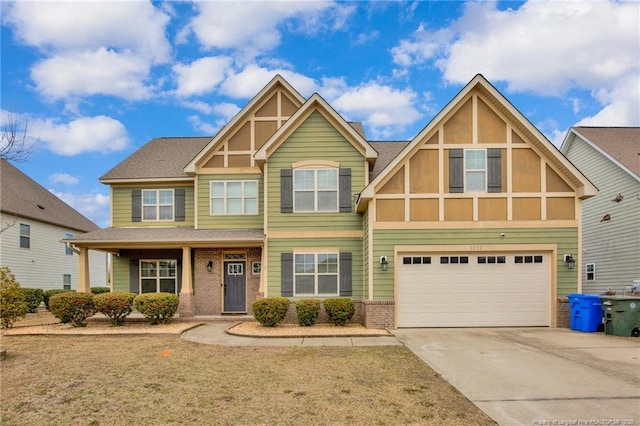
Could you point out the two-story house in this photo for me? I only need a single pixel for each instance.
(610, 158)
(474, 222)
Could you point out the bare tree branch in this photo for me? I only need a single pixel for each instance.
(13, 141)
(8, 224)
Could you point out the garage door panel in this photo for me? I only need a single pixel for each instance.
(481, 292)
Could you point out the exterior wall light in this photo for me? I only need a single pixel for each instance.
(384, 262)
(209, 266)
(570, 261)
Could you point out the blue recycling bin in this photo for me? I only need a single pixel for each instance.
(586, 312)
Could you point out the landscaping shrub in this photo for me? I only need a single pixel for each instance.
(270, 311)
(339, 310)
(157, 308)
(33, 297)
(49, 293)
(72, 307)
(116, 306)
(12, 303)
(307, 311)
(100, 290)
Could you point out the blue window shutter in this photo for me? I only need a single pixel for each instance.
(344, 190)
(286, 191)
(178, 206)
(345, 273)
(286, 274)
(134, 276)
(456, 170)
(494, 170)
(136, 205)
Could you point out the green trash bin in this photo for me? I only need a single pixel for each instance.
(621, 315)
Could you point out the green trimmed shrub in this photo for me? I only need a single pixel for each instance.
(72, 307)
(339, 310)
(116, 306)
(270, 311)
(33, 297)
(307, 311)
(12, 303)
(49, 293)
(100, 290)
(157, 308)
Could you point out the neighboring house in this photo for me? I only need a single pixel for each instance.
(468, 224)
(34, 223)
(610, 158)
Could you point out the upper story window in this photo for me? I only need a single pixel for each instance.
(157, 204)
(590, 271)
(234, 197)
(25, 235)
(315, 190)
(475, 169)
(67, 248)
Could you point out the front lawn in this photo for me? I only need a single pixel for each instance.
(114, 380)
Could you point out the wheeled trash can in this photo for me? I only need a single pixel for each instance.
(621, 315)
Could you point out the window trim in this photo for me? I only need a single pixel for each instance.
(243, 197)
(592, 272)
(158, 205)
(316, 190)
(67, 247)
(483, 170)
(316, 274)
(158, 277)
(25, 238)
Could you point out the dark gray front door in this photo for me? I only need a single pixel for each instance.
(234, 287)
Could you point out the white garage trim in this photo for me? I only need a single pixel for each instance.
(547, 271)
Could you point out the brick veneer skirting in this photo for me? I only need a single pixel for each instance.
(371, 314)
(563, 314)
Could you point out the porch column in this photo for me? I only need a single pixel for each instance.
(84, 282)
(186, 309)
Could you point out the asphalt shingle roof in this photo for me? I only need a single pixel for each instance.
(22, 196)
(622, 143)
(387, 151)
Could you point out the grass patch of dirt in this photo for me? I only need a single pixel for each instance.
(151, 380)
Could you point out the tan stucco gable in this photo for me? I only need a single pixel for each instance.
(260, 104)
(315, 104)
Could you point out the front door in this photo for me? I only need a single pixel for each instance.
(234, 287)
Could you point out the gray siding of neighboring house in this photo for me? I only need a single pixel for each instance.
(613, 246)
(45, 263)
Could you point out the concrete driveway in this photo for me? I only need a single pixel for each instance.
(537, 376)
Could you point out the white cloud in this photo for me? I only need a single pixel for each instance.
(226, 110)
(63, 178)
(92, 72)
(383, 109)
(253, 28)
(253, 78)
(94, 206)
(85, 134)
(202, 75)
(202, 126)
(68, 26)
(548, 48)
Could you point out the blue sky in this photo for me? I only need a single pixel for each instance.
(96, 80)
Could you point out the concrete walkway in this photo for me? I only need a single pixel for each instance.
(537, 376)
(214, 333)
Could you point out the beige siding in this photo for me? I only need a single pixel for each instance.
(207, 221)
(385, 241)
(613, 246)
(315, 139)
(121, 205)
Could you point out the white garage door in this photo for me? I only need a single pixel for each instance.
(473, 289)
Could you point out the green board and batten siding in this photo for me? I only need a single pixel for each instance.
(315, 139)
(207, 221)
(121, 206)
(566, 240)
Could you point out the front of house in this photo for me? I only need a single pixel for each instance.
(468, 224)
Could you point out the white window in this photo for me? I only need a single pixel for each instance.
(315, 274)
(66, 281)
(315, 190)
(157, 204)
(67, 247)
(475, 170)
(25, 235)
(158, 275)
(234, 197)
(590, 271)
